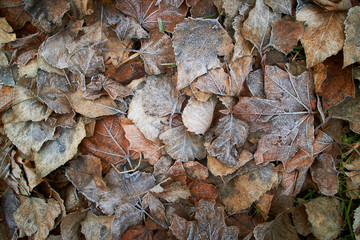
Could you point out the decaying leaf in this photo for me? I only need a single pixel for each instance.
(6, 30)
(70, 225)
(97, 227)
(229, 135)
(172, 192)
(324, 33)
(325, 175)
(157, 209)
(127, 28)
(243, 190)
(196, 170)
(197, 115)
(209, 224)
(126, 216)
(281, 6)
(257, 27)
(55, 153)
(285, 35)
(35, 217)
(352, 28)
(324, 215)
(356, 224)
(197, 45)
(334, 5)
(214, 81)
(183, 145)
(15, 15)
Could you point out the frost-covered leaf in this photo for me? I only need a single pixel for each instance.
(197, 45)
(97, 227)
(196, 170)
(281, 6)
(239, 70)
(156, 52)
(229, 134)
(70, 225)
(257, 26)
(351, 45)
(243, 190)
(55, 153)
(127, 28)
(324, 33)
(172, 192)
(331, 5)
(183, 145)
(197, 116)
(285, 35)
(214, 81)
(36, 217)
(126, 216)
(85, 173)
(157, 209)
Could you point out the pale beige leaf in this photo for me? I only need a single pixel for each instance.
(57, 152)
(243, 190)
(324, 33)
(242, 48)
(197, 45)
(197, 116)
(281, 6)
(6, 34)
(257, 26)
(36, 217)
(97, 227)
(182, 145)
(214, 81)
(352, 29)
(172, 192)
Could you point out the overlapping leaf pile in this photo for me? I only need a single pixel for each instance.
(144, 119)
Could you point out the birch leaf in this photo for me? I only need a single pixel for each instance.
(281, 6)
(97, 227)
(352, 29)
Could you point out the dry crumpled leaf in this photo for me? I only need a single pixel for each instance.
(55, 153)
(126, 216)
(239, 70)
(70, 225)
(356, 224)
(35, 217)
(354, 168)
(147, 13)
(138, 143)
(6, 34)
(209, 224)
(281, 6)
(156, 52)
(85, 172)
(157, 209)
(196, 170)
(279, 228)
(51, 89)
(160, 97)
(183, 145)
(197, 115)
(325, 217)
(197, 44)
(172, 192)
(351, 46)
(225, 139)
(47, 15)
(331, 5)
(285, 35)
(257, 27)
(139, 232)
(214, 81)
(324, 33)
(16, 15)
(243, 190)
(97, 227)
(325, 175)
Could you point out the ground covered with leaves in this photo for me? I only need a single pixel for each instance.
(179, 119)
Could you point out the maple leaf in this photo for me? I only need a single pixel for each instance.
(285, 116)
(351, 46)
(197, 44)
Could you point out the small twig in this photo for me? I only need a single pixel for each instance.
(127, 171)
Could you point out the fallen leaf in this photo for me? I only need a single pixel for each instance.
(146, 12)
(35, 217)
(351, 47)
(7, 76)
(325, 217)
(214, 81)
(280, 228)
(285, 35)
(182, 145)
(172, 192)
(47, 15)
(83, 7)
(324, 33)
(6, 30)
(197, 44)
(161, 167)
(209, 224)
(85, 172)
(137, 233)
(70, 225)
(300, 220)
(264, 204)
(255, 83)
(334, 5)
(16, 15)
(354, 168)
(356, 223)
(196, 170)
(55, 153)
(7, 96)
(156, 52)
(257, 27)
(12, 203)
(126, 216)
(204, 8)
(127, 28)
(197, 116)
(242, 48)
(239, 70)
(97, 227)
(218, 168)
(157, 209)
(281, 6)
(229, 135)
(203, 190)
(240, 192)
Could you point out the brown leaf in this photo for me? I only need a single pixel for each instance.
(85, 172)
(209, 224)
(281, 6)
(46, 15)
(97, 227)
(324, 33)
(147, 12)
(325, 217)
(138, 233)
(70, 225)
(229, 135)
(172, 192)
(197, 115)
(203, 190)
(351, 46)
(14, 12)
(6, 30)
(126, 216)
(197, 45)
(55, 153)
(35, 217)
(332, 5)
(196, 170)
(7, 96)
(218, 168)
(127, 28)
(243, 190)
(157, 209)
(182, 145)
(156, 52)
(257, 27)
(214, 81)
(239, 70)
(285, 35)
(300, 220)
(204, 8)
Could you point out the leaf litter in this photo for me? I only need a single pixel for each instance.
(180, 119)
